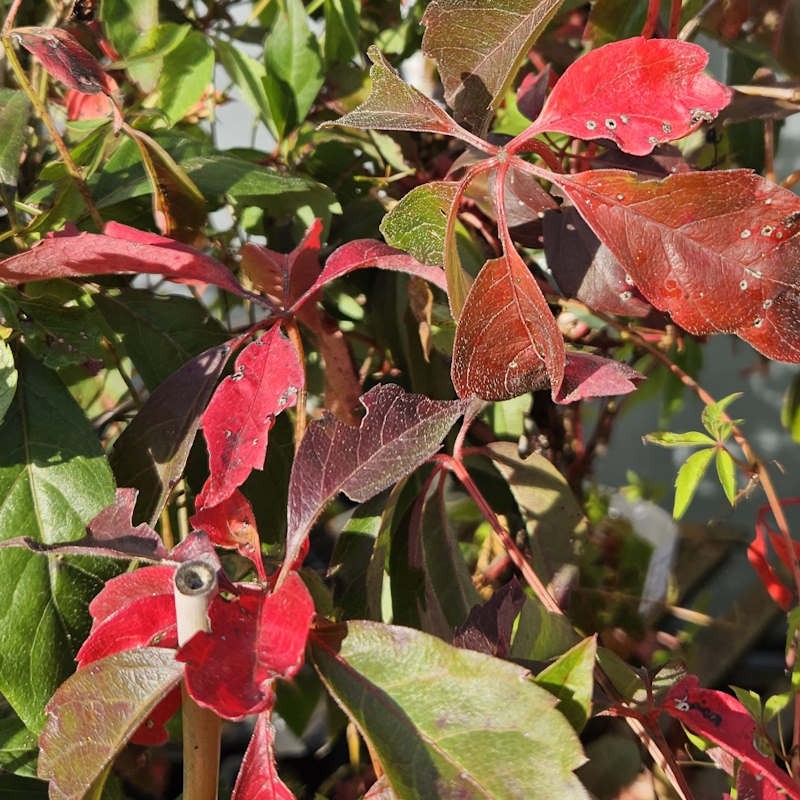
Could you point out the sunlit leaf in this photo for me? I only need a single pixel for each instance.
(718, 251)
(429, 708)
(571, 679)
(398, 432)
(80, 739)
(688, 479)
(258, 776)
(687, 439)
(637, 92)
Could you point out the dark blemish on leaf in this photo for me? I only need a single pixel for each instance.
(591, 124)
(767, 303)
(628, 280)
(792, 219)
(652, 140)
(743, 284)
(767, 230)
(758, 322)
(666, 127)
(228, 434)
(255, 442)
(611, 124)
(698, 115)
(239, 374)
(745, 234)
(625, 296)
(22, 316)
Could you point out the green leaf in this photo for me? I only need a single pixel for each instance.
(81, 738)
(726, 471)
(612, 20)
(417, 224)
(159, 333)
(8, 378)
(56, 334)
(185, 76)
(790, 411)
(624, 678)
(293, 61)
(750, 700)
(18, 747)
(54, 478)
(341, 31)
(125, 20)
(446, 722)
(553, 518)
(248, 75)
(449, 590)
(712, 417)
(571, 680)
(541, 634)
(14, 111)
(688, 479)
(687, 439)
(15, 787)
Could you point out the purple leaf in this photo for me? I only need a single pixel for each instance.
(398, 433)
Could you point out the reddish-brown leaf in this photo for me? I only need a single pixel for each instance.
(718, 251)
(507, 341)
(637, 92)
(121, 250)
(267, 379)
(64, 58)
(587, 375)
(721, 718)
(231, 524)
(398, 433)
(254, 638)
(258, 776)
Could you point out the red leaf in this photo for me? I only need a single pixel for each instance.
(119, 251)
(719, 251)
(231, 524)
(254, 638)
(136, 609)
(398, 433)
(362, 253)
(637, 92)
(721, 718)
(758, 557)
(64, 58)
(507, 341)
(153, 731)
(750, 785)
(258, 776)
(267, 379)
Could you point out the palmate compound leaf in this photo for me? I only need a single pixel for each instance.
(120, 250)
(718, 251)
(267, 380)
(96, 711)
(507, 343)
(449, 723)
(478, 46)
(637, 92)
(398, 433)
